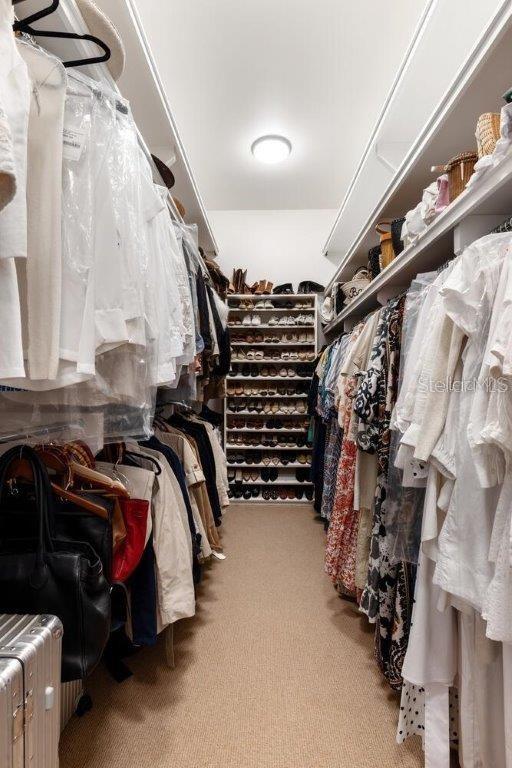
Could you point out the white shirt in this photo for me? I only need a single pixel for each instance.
(15, 101)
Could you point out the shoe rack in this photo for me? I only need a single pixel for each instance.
(274, 342)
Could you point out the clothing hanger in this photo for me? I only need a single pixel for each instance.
(66, 465)
(25, 25)
(134, 456)
(21, 470)
(102, 482)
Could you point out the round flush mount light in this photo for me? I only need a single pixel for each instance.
(271, 149)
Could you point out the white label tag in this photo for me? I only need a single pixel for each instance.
(74, 140)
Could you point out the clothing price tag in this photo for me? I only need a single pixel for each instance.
(74, 140)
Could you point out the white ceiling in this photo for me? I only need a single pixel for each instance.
(316, 71)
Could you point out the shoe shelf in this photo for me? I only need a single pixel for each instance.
(271, 501)
(263, 448)
(270, 483)
(265, 415)
(269, 402)
(268, 378)
(276, 327)
(271, 360)
(259, 431)
(300, 310)
(260, 465)
(272, 296)
(276, 344)
(269, 397)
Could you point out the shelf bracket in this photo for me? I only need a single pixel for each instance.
(391, 166)
(349, 323)
(473, 227)
(389, 292)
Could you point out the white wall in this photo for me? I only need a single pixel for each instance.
(280, 246)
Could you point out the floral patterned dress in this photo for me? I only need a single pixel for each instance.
(387, 597)
(331, 461)
(341, 549)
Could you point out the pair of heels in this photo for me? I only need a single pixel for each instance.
(269, 475)
(244, 370)
(239, 492)
(253, 457)
(270, 459)
(236, 458)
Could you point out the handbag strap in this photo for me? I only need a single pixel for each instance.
(381, 227)
(42, 490)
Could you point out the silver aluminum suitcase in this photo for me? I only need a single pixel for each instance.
(30, 666)
(71, 695)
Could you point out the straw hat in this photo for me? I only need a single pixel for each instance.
(181, 208)
(100, 26)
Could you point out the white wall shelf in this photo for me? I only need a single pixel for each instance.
(476, 88)
(491, 197)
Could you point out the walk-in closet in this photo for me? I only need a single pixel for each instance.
(255, 384)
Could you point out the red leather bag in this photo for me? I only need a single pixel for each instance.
(128, 554)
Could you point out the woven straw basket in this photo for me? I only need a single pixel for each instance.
(460, 169)
(487, 133)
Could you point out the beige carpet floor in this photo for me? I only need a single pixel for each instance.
(275, 671)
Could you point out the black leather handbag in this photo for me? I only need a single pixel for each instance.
(309, 286)
(46, 574)
(374, 261)
(396, 235)
(283, 289)
(71, 522)
(339, 298)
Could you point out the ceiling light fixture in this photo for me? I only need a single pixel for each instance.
(271, 149)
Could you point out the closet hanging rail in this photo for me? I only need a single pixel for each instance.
(41, 431)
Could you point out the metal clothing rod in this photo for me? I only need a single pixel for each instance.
(40, 431)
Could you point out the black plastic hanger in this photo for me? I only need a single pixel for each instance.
(134, 456)
(25, 25)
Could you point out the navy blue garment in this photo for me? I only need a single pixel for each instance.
(318, 448)
(177, 468)
(142, 584)
(206, 457)
(223, 365)
(204, 314)
(212, 417)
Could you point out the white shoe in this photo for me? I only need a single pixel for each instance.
(256, 320)
(246, 320)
